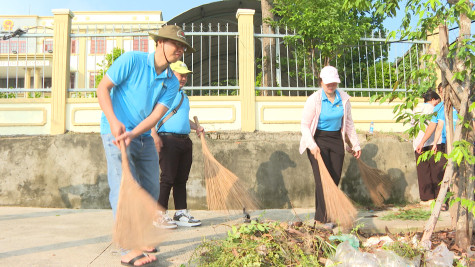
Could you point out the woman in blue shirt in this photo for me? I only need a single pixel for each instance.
(326, 122)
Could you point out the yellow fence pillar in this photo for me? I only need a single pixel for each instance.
(433, 37)
(60, 76)
(246, 69)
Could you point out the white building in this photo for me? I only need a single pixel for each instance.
(26, 60)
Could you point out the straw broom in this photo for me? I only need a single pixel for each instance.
(136, 210)
(338, 206)
(376, 181)
(224, 190)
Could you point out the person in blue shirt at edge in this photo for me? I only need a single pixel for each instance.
(135, 93)
(175, 153)
(437, 124)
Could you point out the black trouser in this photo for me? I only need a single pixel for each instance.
(175, 159)
(430, 174)
(333, 153)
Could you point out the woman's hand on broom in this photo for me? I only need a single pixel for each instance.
(315, 152)
(357, 154)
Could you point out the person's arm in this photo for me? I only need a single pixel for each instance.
(199, 130)
(429, 131)
(351, 132)
(156, 139)
(105, 102)
(307, 118)
(438, 133)
(145, 125)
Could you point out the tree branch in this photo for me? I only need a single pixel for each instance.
(456, 87)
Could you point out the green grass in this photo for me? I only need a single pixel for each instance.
(408, 215)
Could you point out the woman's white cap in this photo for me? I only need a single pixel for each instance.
(329, 74)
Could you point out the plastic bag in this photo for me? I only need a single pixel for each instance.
(353, 240)
(347, 256)
(389, 258)
(439, 257)
(375, 240)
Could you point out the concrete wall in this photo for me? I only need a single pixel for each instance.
(69, 171)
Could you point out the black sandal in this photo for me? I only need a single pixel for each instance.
(154, 250)
(132, 261)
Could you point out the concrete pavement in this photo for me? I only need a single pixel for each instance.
(82, 237)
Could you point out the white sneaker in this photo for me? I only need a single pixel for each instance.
(164, 221)
(184, 218)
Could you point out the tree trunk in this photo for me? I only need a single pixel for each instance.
(462, 234)
(268, 72)
(464, 224)
(463, 91)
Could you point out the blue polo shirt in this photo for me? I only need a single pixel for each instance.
(441, 117)
(180, 122)
(138, 89)
(331, 115)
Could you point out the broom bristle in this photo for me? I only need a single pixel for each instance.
(338, 206)
(377, 182)
(224, 189)
(136, 210)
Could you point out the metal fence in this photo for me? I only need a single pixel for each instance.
(214, 65)
(372, 65)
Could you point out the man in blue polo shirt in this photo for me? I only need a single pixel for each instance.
(135, 93)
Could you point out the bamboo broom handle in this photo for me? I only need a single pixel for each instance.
(195, 118)
(202, 136)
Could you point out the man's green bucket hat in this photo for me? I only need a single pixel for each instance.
(175, 33)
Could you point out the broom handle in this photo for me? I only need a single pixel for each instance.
(123, 151)
(195, 118)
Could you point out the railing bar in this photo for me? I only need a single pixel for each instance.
(262, 57)
(270, 60)
(382, 59)
(209, 58)
(219, 54)
(388, 49)
(352, 69)
(374, 64)
(201, 57)
(344, 65)
(404, 70)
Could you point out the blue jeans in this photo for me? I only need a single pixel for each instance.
(143, 161)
